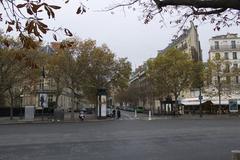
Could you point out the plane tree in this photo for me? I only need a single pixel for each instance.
(171, 73)
(222, 77)
(83, 67)
(18, 70)
(102, 69)
(55, 70)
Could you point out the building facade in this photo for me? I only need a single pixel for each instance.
(187, 42)
(226, 49)
(47, 86)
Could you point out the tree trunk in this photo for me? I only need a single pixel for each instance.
(59, 91)
(72, 100)
(57, 97)
(11, 107)
(2, 99)
(175, 108)
(96, 105)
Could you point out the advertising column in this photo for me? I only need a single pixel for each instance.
(102, 103)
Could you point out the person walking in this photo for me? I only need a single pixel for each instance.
(113, 113)
(118, 113)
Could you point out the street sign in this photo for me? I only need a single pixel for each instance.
(233, 105)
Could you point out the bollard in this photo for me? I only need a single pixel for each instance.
(149, 116)
(135, 114)
(235, 154)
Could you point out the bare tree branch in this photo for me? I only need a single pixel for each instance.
(215, 11)
(122, 5)
(215, 4)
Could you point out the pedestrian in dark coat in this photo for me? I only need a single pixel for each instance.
(113, 113)
(118, 113)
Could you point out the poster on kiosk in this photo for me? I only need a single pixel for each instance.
(102, 103)
(43, 100)
(104, 106)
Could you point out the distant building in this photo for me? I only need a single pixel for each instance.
(139, 84)
(47, 49)
(227, 48)
(189, 43)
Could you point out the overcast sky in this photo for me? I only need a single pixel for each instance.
(123, 32)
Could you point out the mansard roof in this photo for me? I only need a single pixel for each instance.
(183, 36)
(226, 36)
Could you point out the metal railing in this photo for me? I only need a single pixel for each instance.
(225, 48)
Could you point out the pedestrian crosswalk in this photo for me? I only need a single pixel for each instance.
(131, 116)
(128, 118)
(143, 118)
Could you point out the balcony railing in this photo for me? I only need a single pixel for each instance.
(225, 48)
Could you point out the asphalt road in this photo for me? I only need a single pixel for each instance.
(122, 140)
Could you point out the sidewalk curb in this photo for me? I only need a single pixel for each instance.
(52, 122)
(206, 117)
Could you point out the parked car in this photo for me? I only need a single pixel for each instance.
(89, 110)
(140, 109)
(83, 110)
(130, 109)
(109, 112)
